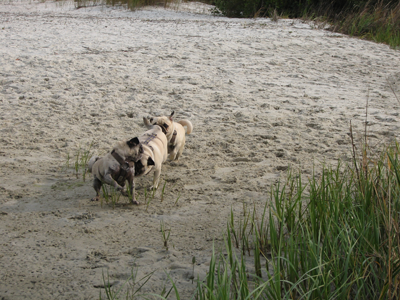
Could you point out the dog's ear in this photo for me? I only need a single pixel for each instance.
(133, 142)
(138, 168)
(150, 162)
(164, 128)
(138, 165)
(171, 115)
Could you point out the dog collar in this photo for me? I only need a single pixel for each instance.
(150, 137)
(123, 163)
(164, 130)
(125, 170)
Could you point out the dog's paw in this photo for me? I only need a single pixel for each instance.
(120, 189)
(135, 202)
(95, 199)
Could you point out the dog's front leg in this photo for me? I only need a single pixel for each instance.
(156, 179)
(132, 190)
(109, 180)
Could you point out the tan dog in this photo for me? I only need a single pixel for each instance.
(155, 144)
(117, 167)
(175, 133)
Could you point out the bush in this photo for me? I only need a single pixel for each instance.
(293, 9)
(238, 8)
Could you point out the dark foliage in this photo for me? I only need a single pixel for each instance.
(291, 8)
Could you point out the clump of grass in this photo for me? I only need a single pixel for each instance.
(82, 157)
(165, 233)
(149, 196)
(128, 290)
(110, 195)
(379, 22)
(336, 238)
(67, 161)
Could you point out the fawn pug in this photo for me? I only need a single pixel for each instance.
(155, 145)
(175, 133)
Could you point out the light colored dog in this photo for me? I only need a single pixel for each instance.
(175, 133)
(155, 145)
(117, 167)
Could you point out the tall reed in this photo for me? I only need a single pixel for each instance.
(379, 22)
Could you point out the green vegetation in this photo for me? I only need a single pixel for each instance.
(165, 233)
(82, 157)
(377, 20)
(336, 239)
(379, 23)
(110, 195)
(128, 290)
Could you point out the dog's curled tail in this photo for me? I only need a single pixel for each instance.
(188, 124)
(91, 162)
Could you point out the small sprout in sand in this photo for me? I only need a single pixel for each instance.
(165, 234)
(149, 196)
(76, 165)
(84, 160)
(110, 195)
(67, 162)
(193, 263)
(81, 160)
(127, 290)
(163, 191)
(179, 196)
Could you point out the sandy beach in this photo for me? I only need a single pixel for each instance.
(263, 97)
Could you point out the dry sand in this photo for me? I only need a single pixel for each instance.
(261, 95)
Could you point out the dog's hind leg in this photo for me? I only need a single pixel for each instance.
(97, 186)
(173, 152)
(180, 151)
